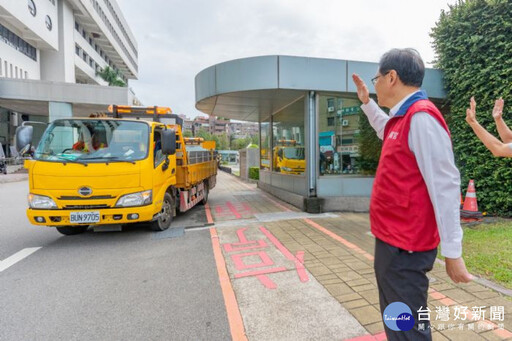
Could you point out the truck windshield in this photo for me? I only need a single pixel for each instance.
(92, 140)
(296, 153)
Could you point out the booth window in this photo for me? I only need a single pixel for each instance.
(288, 140)
(338, 127)
(265, 144)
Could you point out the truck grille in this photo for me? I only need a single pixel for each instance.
(94, 197)
(84, 207)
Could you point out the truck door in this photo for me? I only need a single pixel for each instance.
(159, 175)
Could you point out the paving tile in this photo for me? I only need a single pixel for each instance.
(371, 296)
(459, 295)
(357, 282)
(356, 304)
(440, 286)
(348, 275)
(348, 297)
(326, 277)
(338, 289)
(492, 336)
(436, 336)
(375, 328)
(319, 270)
(486, 294)
(366, 315)
(461, 335)
(325, 282)
(364, 287)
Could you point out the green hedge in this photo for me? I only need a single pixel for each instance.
(254, 173)
(473, 44)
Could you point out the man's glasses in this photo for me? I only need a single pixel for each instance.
(374, 79)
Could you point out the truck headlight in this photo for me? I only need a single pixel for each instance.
(286, 169)
(135, 199)
(41, 202)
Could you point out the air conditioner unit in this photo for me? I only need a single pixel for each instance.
(330, 109)
(344, 123)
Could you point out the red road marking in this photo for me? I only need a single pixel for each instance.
(243, 243)
(298, 260)
(240, 265)
(260, 272)
(267, 282)
(233, 210)
(209, 218)
(301, 270)
(236, 324)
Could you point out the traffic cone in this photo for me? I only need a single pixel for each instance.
(470, 211)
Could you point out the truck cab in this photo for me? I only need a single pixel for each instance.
(106, 171)
(289, 158)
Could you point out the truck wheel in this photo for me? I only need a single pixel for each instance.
(205, 197)
(71, 230)
(165, 218)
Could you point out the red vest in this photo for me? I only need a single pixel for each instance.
(401, 213)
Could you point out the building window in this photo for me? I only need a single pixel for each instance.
(48, 22)
(77, 27)
(288, 145)
(32, 7)
(53, 2)
(338, 134)
(77, 50)
(18, 43)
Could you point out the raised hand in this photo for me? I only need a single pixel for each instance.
(362, 90)
(497, 111)
(471, 111)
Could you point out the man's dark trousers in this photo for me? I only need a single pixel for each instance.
(401, 277)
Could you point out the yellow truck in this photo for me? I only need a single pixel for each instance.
(289, 158)
(132, 166)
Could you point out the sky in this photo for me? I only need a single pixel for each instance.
(177, 39)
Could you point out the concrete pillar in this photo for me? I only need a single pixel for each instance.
(59, 65)
(58, 110)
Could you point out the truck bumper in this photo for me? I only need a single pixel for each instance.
(123, 215)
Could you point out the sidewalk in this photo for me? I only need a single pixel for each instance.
(334, 250)
(14, 173)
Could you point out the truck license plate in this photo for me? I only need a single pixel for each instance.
(84, 217)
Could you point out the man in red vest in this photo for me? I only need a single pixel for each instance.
(415, 198)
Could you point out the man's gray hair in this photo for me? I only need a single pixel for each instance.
(407, 63)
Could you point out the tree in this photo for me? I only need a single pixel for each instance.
(369, 147)
(111, 76)
(472, 42)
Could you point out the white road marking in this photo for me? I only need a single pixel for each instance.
(18, 256)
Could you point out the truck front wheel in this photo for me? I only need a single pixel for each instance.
(71, 230)
(165, 218)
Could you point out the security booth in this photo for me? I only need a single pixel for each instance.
(309, 122)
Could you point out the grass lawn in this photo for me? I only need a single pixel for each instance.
(487, 251)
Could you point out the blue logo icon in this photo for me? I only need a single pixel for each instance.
(398, 317)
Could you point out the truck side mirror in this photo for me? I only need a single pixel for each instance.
(168, 142)
(24, 138)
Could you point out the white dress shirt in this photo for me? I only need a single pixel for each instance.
(432, 147)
